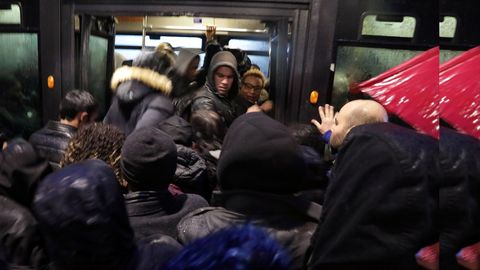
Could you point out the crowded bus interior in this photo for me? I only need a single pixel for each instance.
(255, 134)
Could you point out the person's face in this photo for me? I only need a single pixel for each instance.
(340, 129)
(223, 78)
(192, 69)
(251, 88)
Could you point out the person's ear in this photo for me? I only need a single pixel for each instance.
(83, 117)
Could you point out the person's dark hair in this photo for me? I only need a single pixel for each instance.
(241, 247)
(243, 61)
(96, 141)
(308, 135)
(77, 101)
(208, 130)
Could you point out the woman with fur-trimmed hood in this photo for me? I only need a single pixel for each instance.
(141, 92)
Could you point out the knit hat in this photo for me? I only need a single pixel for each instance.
(149, 159)
(259, 154)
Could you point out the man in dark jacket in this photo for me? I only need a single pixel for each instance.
(141, 92)
(220, 89)
(82, 215)
(77, 108)
(149, 159)
(260, 167)
(380, 205)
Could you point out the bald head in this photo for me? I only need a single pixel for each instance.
(354, 113)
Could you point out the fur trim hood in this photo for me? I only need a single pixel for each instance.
(146, 76)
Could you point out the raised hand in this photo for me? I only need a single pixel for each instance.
(210, 32)
(327, 117)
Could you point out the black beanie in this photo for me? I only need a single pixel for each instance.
(259, 154)
(149, 159)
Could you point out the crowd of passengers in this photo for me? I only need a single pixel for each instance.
(192, 172)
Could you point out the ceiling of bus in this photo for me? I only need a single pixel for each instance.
(189, 25)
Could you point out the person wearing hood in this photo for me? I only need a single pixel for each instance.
(141, 92)
(149, 159)
(259, 170)
(183, 77)
(220, 89)
(21, 169)
(82, 215)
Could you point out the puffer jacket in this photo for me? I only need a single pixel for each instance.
(191, 173)
(141, 99)
(208, 98)
(381, 202)
(52, 140)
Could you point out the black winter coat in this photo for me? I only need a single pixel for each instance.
(82, 214)
(158, 212)
(20, 236)
(459, 195)
(288, 219)
(380, 205)
(52, 140)
(141, 99)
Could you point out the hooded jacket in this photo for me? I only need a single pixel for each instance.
(141, 96)
(208, 98)
(82, 214)
(260, 165)
(380, 204)
(183, 89)
(181, 85)
(52, 140)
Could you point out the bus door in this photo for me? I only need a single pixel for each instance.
(94, 51)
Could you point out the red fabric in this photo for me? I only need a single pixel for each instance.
(460, 92)
(410, 91)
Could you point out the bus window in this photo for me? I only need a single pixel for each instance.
(97, 71)
(11, 15)
(358, 64)
(257, 51)
(20, 103)
(177, 42)
(131, 45)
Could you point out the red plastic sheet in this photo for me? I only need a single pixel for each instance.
(410, 91)
(460, 92)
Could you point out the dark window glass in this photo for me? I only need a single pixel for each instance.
(358, 64)
(97, 71)
(20, 102)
